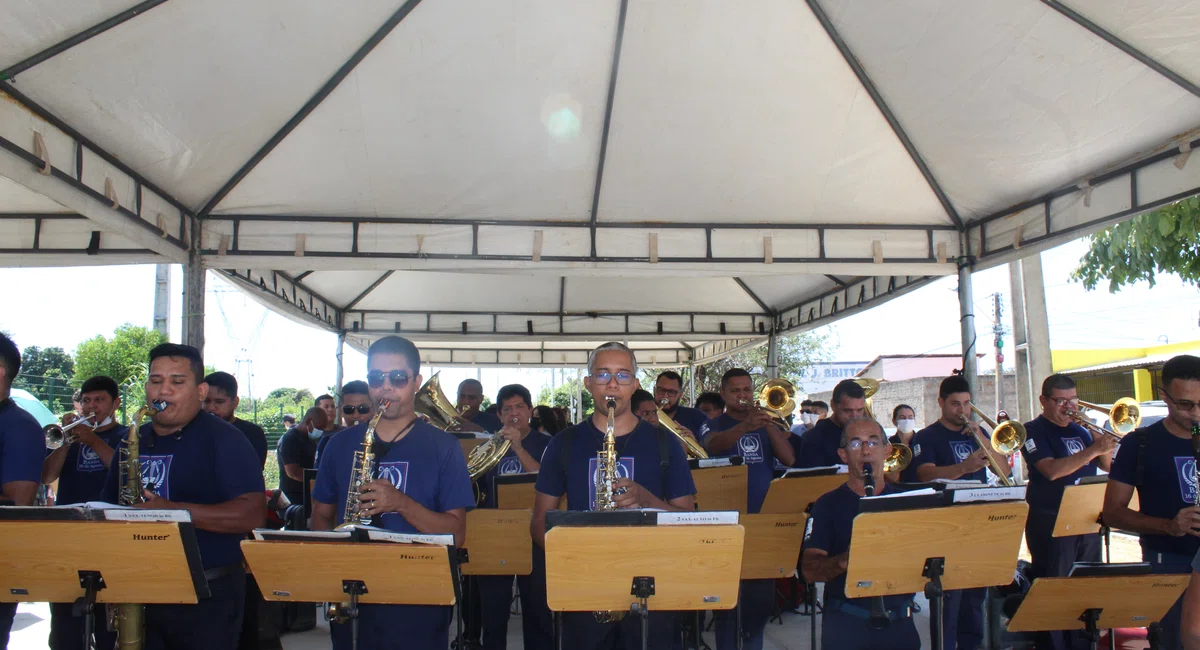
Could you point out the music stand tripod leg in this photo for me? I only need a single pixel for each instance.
(1090, 619)
(354, 589)
(643, 589)
(934, 568)
(92, 582)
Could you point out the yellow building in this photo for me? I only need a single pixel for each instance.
(1105, 375)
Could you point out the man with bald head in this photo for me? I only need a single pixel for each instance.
(470, 404)
(864, 446)
(297, 452)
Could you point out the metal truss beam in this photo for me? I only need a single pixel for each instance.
(608, 109)
(855, 296)
(287, 296)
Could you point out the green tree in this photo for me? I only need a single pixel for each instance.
(561, 396)
(48, 374)
(295, 395)
(1164, 241)
(125, 357)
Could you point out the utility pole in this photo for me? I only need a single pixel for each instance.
(162, 299)
(998, 330)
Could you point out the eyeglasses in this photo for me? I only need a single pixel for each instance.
(667, 391)
(1183, 405)
(603, 377)
(362, 409)
(1063, 403)
(398, 378)
(858, 443)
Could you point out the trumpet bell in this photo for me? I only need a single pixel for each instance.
(899, 459)
(1008, 437)
(431, 402)
(55, 436)
(777, 394)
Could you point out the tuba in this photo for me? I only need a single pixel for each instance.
(129, 618)
(432, 403)
(606, 479)
(693, 448)
(870, 387)
(362, 472)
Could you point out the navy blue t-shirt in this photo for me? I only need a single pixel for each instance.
(535, 444)
(908, 474)
(938, 445)
(83, 472)
(296, 447)
(819, 445)
(207, 462)
(693, 419)
(427, 465)
(638, 460)
(489, 422)
(1048, 440)
(257, 438)
(756, 450)
(794, 440)
(1168, 483)
(829, 528)
(22, 445)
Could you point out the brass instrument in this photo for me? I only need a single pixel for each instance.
(900, 458)
(693, 448)
(776, 418)
(1124, 416)
(777, 394)
(129, 618)
(56, 435)
(362, 472)
(870, 387)
(432, 403)
(1006, 438)
(606, 489)
(487, 455)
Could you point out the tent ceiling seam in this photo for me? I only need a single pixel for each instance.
(366, 292)
(869, 86)
(608, 109)
(750, 292)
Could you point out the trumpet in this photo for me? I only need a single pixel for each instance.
(1124, 416)
(56, 435)
(776, 418)
(1006, 438)
(898, 459)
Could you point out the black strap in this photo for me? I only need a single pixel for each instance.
(564, 452)
(1139, 470)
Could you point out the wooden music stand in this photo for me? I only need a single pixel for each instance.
(1081, 509)
(721, 487)
(792, 493)
(935, 549)
(371, 573)
(519, 492)
(498, 543)
(1095, 602)
(64, 555)
(614, 568)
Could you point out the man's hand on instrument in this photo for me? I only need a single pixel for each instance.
(1103, 445)
(86, 435)
(635, 496)
(1186, 522)
(154, 502)
(759, 419)
(511, 433)
(380, 496)
(975, 462)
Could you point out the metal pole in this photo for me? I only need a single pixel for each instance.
(340, 376)
(773, 356)
(162, 299)
(1020, 344)
(998, 330)
(193, 300)
(692, 384)
(966, 311)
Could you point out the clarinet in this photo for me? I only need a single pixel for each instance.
(879, 617)
(1196, 455)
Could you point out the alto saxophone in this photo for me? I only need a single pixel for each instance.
(129, 618)
(606, 478)
(362, 472)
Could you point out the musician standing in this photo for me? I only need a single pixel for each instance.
(297, 451)
(827, 546)
(905, 419)
(423, 488)
(22, 450)
(357, 408)
(328, 404)
(1160, 461)
(495, 592)
(820, 443)
(654, 474)
(222, 401)
(668, 388)
(470, 399)
(750, 432)
(192, 460)
(947, 449)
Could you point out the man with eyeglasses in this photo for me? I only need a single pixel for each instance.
(827, 545)
(653, 471)
(495, 592)
(1059, 452)
(297, 452)
(423, 487)
(1160, 463)
(668, 390)
(750, 432)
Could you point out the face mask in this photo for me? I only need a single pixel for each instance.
(107, 421)
(808, 418)
(906, 426)
(316, 434)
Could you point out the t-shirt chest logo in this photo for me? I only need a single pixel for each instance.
(624, 470)
(1185, 467)
(88, 460)
(396, 473)
(156, 474)
(510, 466)
(1073, 445)
(962, 449)
(751, 448)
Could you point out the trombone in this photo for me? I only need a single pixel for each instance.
(56, 435)
(1006, 438)
(693, 448)
(1124, 416)
(899, 459)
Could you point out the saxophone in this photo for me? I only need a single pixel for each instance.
(606, 478)
(362, 472)
(129, 618)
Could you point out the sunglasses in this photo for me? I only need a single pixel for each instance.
(398, 378)
(362, 409)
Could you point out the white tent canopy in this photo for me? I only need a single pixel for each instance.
(511, 181)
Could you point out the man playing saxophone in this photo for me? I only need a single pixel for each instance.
(192, 460)
(420, 486)
(653, 473)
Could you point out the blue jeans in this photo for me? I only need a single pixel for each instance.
(1052, 558)
(757, 598)
(8, 611)
(963, 624)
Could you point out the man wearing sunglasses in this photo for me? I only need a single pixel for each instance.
(827, 545)
(654, 474)
(423, 487)
(356, 409)
(1160, 463)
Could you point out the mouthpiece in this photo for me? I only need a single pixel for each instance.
(610, 402)
(663, 402)
(159, 405)
(383, 404)
(744, 402)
